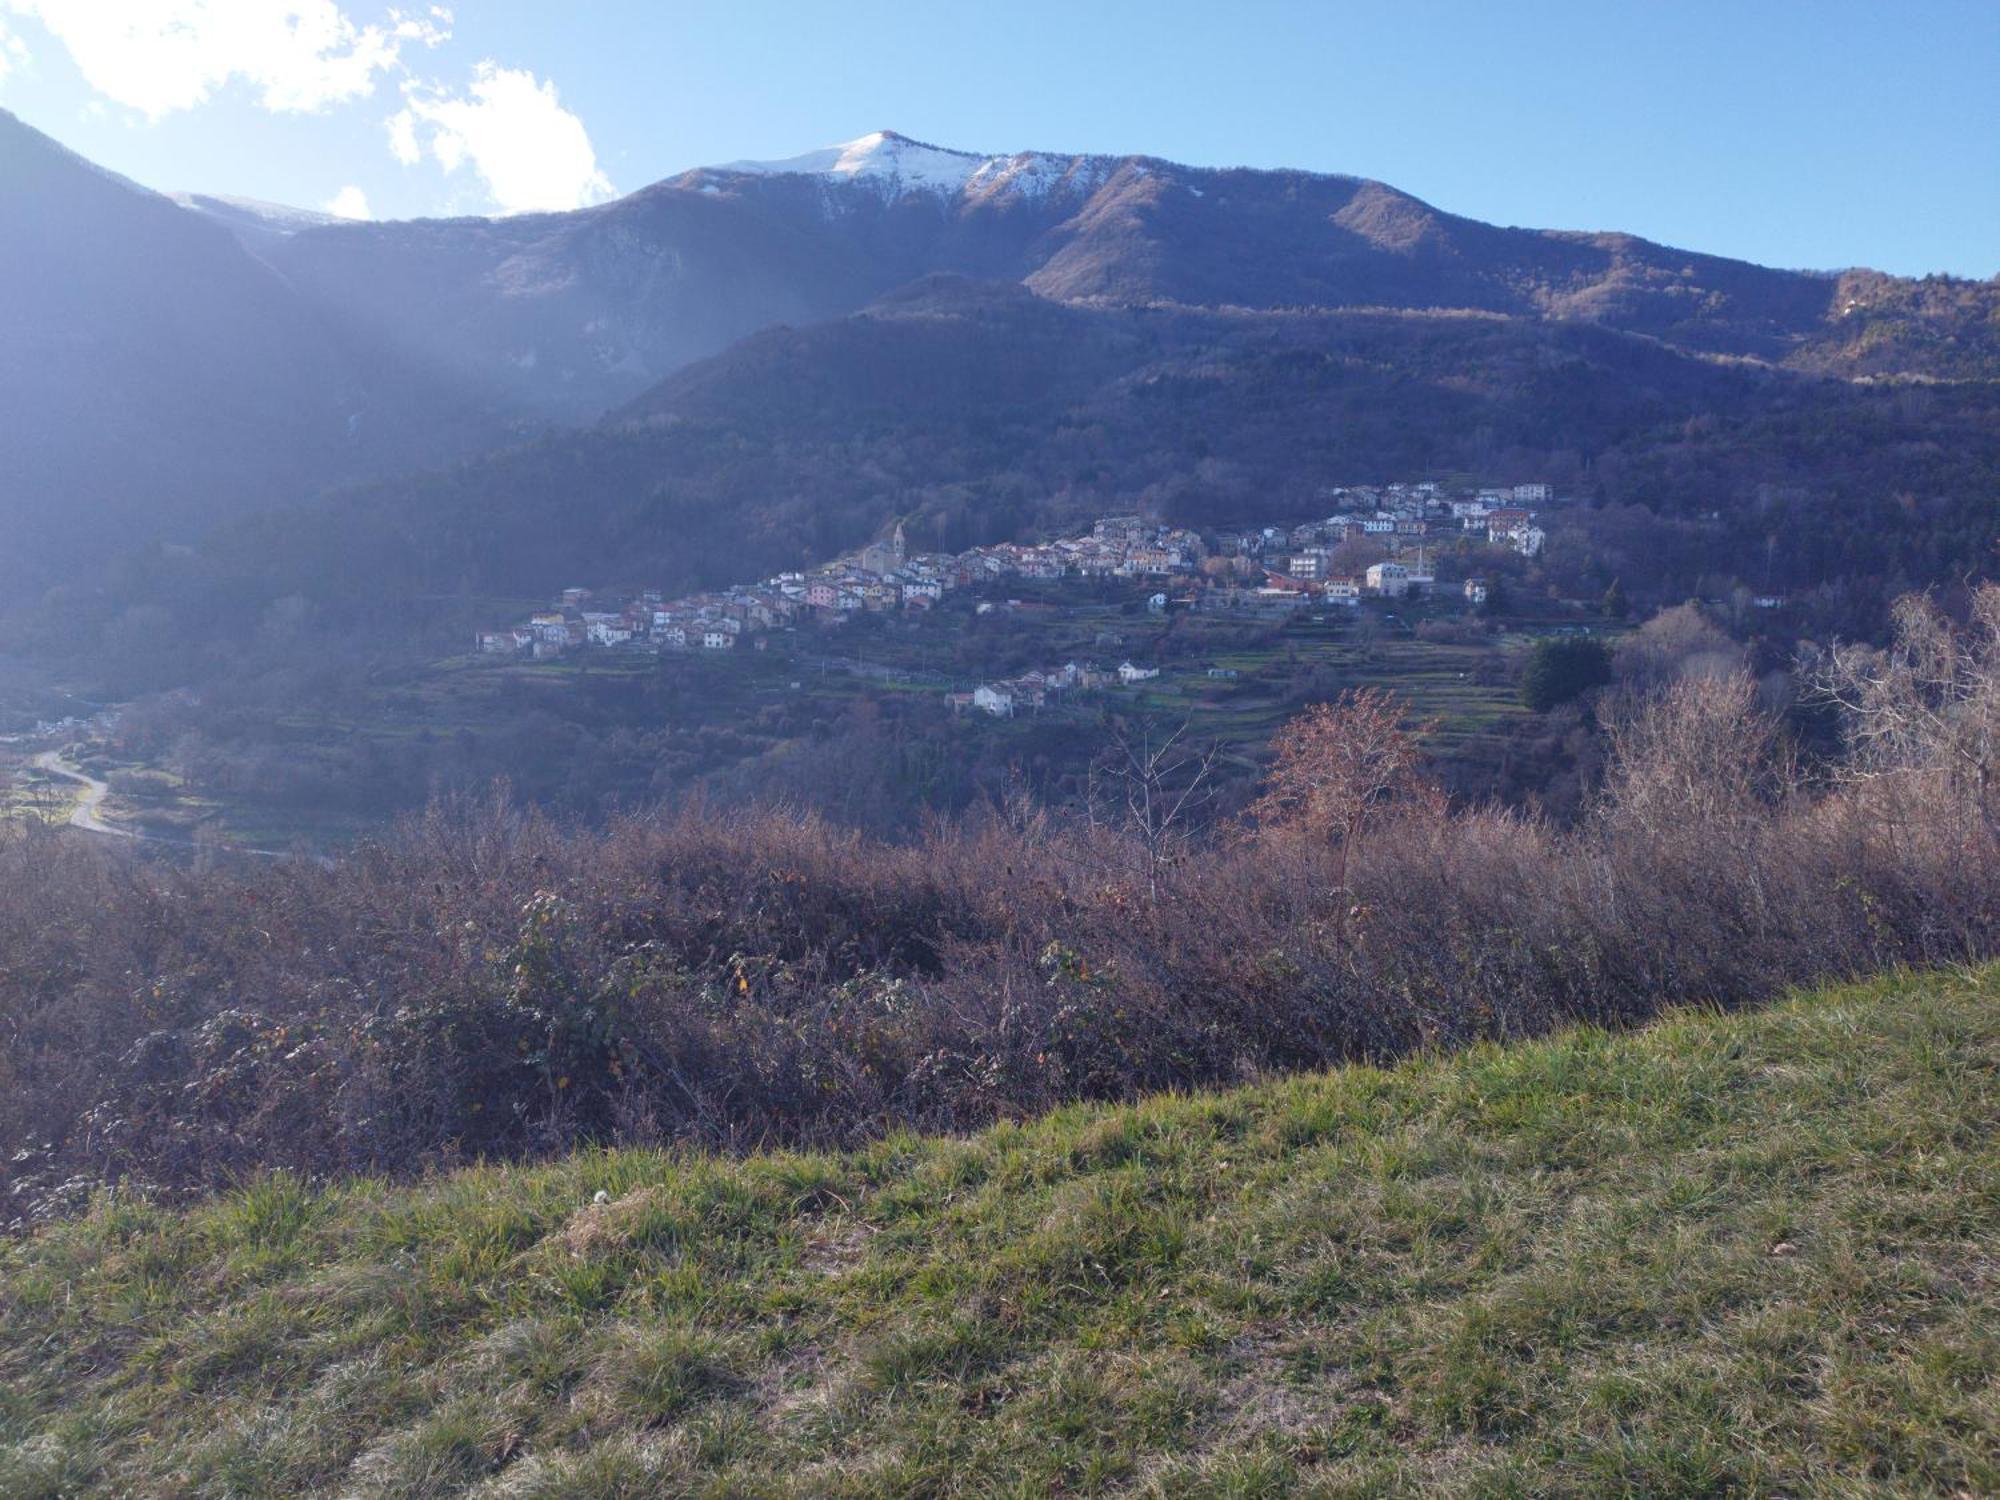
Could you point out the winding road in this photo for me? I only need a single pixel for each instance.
(87, 813)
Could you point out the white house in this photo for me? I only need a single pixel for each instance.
(1129, 674)
(1532, 494)
(994, 700)
(716, 639)
(1390, 580)
(1527, 540)
(1475, 591)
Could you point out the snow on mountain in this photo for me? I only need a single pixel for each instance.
(898, 165)
(277, 215)
(881, 156)
(253, 221)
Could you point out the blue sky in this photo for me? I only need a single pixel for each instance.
(1800, 134)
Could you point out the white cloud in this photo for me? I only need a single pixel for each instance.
(158, 56)
(511, 129)
(403, 138)
(350, 203)
(13, 51)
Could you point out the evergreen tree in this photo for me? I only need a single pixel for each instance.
(1561, 668)
(1616, 606)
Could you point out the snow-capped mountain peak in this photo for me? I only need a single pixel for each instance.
(898, 165)
(880, 155)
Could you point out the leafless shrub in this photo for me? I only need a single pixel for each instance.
(1700, 755)
(1927, 708)
(1677, 643)
(484, 983)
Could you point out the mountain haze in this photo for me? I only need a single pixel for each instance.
(579, 310)
(173, 363)
(155, 375)
(979, 412)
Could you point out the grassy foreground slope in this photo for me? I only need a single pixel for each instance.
(1754, 1253)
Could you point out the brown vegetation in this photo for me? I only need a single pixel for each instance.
(486, 984)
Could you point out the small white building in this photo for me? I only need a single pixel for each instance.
(1475, 591)
(717, 639)
(996, 701)
(1390, 580)
(1129, 674)
(1527, 540)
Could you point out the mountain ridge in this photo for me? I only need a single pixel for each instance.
(617, 295)
(174, 366)
(156, 373)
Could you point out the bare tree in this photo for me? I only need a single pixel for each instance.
(1151, 782)
(1927, 707)
(1336, 765)
(1696, 755)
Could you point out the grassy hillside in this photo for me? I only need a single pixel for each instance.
(1749, 1253)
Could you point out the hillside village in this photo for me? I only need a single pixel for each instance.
(1269, 569)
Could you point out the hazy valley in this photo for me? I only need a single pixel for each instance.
(909, 822)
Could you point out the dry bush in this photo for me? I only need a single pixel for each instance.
(1698, 755)
(483, 983)
(1677, 643)
(1927, 710)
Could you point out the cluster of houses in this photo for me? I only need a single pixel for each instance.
(1275, 564)
(1034, 689)
(1407, 521)
(881, 576)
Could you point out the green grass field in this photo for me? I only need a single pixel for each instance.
(1749, 1254)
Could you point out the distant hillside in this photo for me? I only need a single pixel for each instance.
(577, 312)
(1723, 1255)
(978, 412)
(155, 377)
(171, 364)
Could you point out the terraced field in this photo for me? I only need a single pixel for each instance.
(468, 718)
